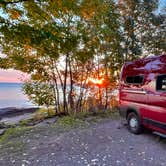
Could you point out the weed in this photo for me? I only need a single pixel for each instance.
(69, 121)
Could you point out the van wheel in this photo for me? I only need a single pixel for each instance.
(134, 123)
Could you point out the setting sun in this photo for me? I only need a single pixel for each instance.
(95, 81)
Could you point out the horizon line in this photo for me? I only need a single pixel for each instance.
(11, 82)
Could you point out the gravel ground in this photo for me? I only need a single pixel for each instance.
(106, 143)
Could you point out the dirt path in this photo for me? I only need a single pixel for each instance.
(103, 143)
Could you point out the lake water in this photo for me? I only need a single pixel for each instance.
(12, 96)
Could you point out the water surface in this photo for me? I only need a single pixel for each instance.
(11, 95)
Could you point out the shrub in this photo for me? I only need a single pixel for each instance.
(44, 113)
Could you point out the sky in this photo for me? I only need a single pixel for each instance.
(162, 4)
(16, 76)
(12, 76)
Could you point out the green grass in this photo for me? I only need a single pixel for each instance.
(82, 118)
(13, 133)
(12, 142)
(69, 121)
(100, 114)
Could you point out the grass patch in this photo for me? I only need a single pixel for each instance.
(100, 114)
(25, 122)
(82, 118)
(12, 142)
(13, 133)
(70, 121)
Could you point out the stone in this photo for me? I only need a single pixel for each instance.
(2, 125)
(2, 131)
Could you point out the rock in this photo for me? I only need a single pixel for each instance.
(131, 148)
(5, 125)
(2, 131)
(119, 126)
(2, 125)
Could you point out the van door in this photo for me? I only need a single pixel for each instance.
(157, 104)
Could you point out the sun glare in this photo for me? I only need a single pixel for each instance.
(95, 81)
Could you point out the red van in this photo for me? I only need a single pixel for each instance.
(142, 94)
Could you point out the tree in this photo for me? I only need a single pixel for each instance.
(51, 44)
(63, 44)
(141, 28)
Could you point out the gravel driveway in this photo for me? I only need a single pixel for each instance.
(106, 143)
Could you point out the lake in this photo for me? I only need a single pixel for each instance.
(11, 95)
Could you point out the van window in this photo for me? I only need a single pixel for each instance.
(134, 79)
(161, 83)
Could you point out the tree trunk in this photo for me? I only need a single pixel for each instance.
(65, 106)
(71, 101)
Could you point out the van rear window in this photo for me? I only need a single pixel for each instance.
(161, 83)
(134, 79)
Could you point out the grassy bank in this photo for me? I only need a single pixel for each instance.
(15, 141)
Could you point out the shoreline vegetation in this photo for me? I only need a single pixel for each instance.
(22, 121)
(72, 140)
(17, 138)
(11, 118)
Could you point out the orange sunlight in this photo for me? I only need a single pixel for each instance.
(96, 81)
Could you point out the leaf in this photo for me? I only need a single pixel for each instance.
(14, 13)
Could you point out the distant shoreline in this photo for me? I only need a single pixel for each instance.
(11, 82)
(14, 111)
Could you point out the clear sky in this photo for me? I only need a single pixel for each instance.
(162, 4)
(15, 76)
(11, 76)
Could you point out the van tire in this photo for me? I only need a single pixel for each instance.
(134, 123)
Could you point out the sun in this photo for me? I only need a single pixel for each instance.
(95, 81)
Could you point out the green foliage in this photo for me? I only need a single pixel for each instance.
(12, 133)
(61, 42)
(39, 93)
(140, 31)
(36, 37)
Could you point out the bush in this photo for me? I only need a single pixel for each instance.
(44, 113)
(39, 93)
